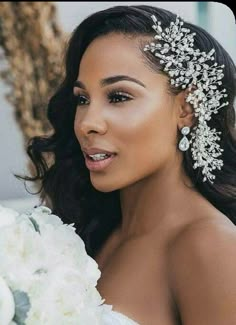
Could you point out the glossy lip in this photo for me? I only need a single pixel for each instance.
(93, 150)
(98, 165)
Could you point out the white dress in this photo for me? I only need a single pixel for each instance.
(112, 317)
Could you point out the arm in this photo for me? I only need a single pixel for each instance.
(202, 264)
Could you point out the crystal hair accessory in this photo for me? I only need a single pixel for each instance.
(187, 68)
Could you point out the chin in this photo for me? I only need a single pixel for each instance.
(102, 185)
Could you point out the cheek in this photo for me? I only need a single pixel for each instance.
(151, 150)
(149, 136)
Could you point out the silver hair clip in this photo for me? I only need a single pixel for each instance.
(187, 69)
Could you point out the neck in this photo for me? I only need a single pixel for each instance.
(161, 201)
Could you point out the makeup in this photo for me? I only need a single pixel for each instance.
(98, 164)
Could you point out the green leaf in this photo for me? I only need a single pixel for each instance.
(36, 226)
(22, 306)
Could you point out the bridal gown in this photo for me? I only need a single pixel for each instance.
(113, 317)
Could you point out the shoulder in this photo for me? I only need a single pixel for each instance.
(204, 235)
(202, 268)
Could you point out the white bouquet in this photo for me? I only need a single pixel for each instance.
(46, 276)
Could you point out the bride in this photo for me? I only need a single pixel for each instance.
(127, 148)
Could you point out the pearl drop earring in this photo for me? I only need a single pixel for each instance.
(184, 143)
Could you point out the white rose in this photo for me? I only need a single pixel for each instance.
(43, 216)
(7, 216)
(52, 303)
(7, 305)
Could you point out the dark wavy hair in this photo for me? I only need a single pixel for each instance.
(66, 182)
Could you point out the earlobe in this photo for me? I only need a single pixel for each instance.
(186, 115)
(187, 118)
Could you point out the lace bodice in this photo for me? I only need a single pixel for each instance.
(113, 317)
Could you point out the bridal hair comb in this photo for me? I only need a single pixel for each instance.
(189, 68)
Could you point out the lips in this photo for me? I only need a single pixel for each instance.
(98, 165)
(93, 151)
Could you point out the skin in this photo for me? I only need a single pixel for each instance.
(143, 133)
(158, 201)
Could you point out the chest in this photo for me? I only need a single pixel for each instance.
(134, 279)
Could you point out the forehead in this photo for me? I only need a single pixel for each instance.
(111, 49)
(114, 54)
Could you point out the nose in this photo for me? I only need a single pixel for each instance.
(92, 121)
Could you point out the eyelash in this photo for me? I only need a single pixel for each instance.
(110, 94)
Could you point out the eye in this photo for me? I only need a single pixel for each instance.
(80, 99)
(114, 96)
(118, 96)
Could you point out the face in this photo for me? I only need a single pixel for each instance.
(136, 120)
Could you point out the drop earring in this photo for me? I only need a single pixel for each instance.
(184, 143)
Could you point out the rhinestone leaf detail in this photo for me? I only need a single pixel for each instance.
(189, 68)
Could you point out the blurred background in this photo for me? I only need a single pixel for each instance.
(61, 18)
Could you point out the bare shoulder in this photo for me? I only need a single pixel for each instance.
(202, 264)
(203, 234)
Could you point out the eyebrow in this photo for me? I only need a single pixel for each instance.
(110, 80)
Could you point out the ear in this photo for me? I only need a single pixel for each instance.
(185, 111)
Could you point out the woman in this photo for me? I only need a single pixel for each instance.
(160, 227)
